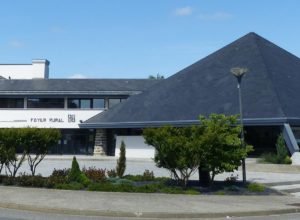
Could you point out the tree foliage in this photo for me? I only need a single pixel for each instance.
(175, 150)
(37, 142)
(121, 163)
(220, 149)
(33, 142)
(213, 145)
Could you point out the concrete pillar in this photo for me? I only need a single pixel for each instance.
(100, 147)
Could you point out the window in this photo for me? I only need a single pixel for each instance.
(11, 103)
(98, 103)
(45, 103)
(73, 103)
(86, 103)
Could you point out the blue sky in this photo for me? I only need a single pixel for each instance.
(136, 38)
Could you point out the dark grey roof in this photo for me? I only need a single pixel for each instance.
(270, 89)
(75, 86)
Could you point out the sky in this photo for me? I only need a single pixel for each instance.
(136, 38)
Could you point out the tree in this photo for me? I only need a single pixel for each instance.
(36, 142)
(220, 145)
(176, 150)
(121, 163)
(10, 141)
(158, 76)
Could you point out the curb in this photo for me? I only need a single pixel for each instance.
(112, 213)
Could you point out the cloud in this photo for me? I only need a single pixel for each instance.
(77, 76)
(16, 44)
(184, 11)
(217, 16)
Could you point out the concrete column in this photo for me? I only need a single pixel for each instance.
(100, 147)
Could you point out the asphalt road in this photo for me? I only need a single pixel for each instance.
(10, 214)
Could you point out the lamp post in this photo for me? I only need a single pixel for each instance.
(238, 72)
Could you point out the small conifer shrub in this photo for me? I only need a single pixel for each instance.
(121, 163)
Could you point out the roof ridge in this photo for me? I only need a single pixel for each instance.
(257, 44)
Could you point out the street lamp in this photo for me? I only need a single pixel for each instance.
(238, 72)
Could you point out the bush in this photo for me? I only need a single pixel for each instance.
(111, 173)
(121, 163)
(9, 180)
(148, 176)
(109, 187)
(75, 174)
(69, 186)
(57, 177)
(256, 187)
(75, 171)
(29, 180)
(94, 174)
(281, 157)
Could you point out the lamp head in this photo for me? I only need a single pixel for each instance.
(238, 71)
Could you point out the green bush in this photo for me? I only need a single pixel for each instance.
(29, 180)
(118, 181)
(94, 174)
(121, 163)
(256, 187)
(109, 187)
(9, 180)
(75, 174)
(69, 186)
(111, 173)
(147, 176)
(172, 190)
(57, 177)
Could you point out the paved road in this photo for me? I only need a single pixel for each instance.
(10, 214)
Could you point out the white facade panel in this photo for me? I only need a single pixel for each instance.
(38, 69)
(44, 118)
(135, 147)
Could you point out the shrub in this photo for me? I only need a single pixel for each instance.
(94, 174)
(172, 190)
(29, 180)
(118, 181)
(109, 187)
(256, 187)
(75, 171)
(69, 186)
(75, 174)
(281, 157)
(148, 176)
(111, 173)
(121, 163)
(57, 177)
(9, 180)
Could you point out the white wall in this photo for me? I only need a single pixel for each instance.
(44, 118)
(38, 69)
(135, 147)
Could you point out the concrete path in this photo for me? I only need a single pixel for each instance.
(143, 205)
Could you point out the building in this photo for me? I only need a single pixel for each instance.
(94, 115)
(29, 98)
(270, 91)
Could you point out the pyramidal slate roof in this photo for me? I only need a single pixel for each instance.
(270, 90)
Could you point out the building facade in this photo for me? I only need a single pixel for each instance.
(28, 98)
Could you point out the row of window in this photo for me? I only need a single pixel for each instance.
(73, 103)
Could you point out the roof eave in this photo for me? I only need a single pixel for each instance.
(145, 124)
